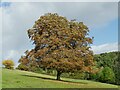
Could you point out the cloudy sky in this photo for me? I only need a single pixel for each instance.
(18, 17)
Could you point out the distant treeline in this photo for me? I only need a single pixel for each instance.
(108, 65)
(110, 68)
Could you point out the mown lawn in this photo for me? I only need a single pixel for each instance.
(24, 79)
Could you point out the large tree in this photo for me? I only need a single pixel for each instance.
(60, 44)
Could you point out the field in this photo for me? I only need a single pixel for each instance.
(24, 79)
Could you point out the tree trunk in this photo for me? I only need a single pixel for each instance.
(58, 75)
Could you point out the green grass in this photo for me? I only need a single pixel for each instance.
(24, 79)
(0, 78)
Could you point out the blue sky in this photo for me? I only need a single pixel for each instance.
(17, 18)
(5, 4)
(106, 34)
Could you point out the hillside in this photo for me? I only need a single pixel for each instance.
(24, 79)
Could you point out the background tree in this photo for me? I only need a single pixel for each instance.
(60, 44)
(109, 62)
(9, 64)
(106, 75)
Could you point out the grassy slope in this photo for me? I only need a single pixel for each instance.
(0, 78)
(23, 79)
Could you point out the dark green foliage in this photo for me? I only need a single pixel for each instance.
(110, 60)
(106, 75)
(77, 75)
(117, 70)
(94, 76)
(106, 59)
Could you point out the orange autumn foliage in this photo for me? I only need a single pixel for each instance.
(60, 44)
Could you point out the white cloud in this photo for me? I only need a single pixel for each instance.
(109, 47)
(13, 55)
(93, 14)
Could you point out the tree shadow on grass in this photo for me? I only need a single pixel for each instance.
(47, 78)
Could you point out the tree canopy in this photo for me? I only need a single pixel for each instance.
(112, 61)
(9, 64)
(60, 44)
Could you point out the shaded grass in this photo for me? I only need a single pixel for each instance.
(70, 82)
(24, 79)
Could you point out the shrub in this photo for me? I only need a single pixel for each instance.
(106, 75)
(9, 64)
(78, 75)
(22, 67)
